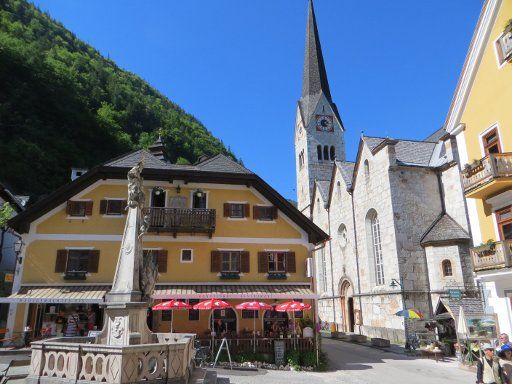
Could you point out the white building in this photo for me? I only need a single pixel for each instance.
(386, 214)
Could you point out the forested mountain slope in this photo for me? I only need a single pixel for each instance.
(64, 105)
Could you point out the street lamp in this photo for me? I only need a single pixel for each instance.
(395, 283)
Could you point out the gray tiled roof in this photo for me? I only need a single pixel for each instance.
(470, 305)
(347, 171)
(132, 158)
(443, 229)
(219, 163)
(435, 136)
(407, 151)
(323, 188)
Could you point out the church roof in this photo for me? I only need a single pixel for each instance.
(437, 135)
(347, 171)
(323, 189)
(407, 151)
(444, 229)
(315, 76)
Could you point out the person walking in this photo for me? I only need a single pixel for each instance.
(505, 355)
(488, 369)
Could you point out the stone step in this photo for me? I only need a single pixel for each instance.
(203, 376)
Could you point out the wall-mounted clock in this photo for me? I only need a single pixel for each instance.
(324, 123)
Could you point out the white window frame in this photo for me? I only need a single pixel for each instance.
(377, 250)
(106, 214)
(191, 255)
(206, 193)
(231, 253)
(151, 197)
(501, 61)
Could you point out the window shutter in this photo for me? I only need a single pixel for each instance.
(103, 207)
(247, 209)
(274, 212)
(94, 259)
(255, 212)
(290, 262)
(161, 260)
(88, 208)
(262, 262)
(69, 207)
(227, 209)
(244, 262)
(60, 261)
(215, 261)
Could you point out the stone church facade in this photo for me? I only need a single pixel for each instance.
(396, 216)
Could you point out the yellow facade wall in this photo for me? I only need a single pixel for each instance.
(41, 254)
(488, 104)
(225, 227)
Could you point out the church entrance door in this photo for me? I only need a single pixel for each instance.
(347, 307)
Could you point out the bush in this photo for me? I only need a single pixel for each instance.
(308, 359)
(293, 358)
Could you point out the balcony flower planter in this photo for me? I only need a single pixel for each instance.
(277, 276)
(75, 275)
(230, 276)
(485, 249)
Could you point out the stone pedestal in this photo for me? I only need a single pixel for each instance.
(125, 324)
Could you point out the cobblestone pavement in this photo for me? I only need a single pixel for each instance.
(356, 364)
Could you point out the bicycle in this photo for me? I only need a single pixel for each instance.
(202, 354)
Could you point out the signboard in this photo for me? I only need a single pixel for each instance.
(455, 294)
(482, 327)
(93, 333)
(279, 352)
(9, 277)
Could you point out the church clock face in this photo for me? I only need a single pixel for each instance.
(324, 123)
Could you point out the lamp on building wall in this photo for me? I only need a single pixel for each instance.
(18, 246)
(178, 189)
(395, 283)
(199, 193)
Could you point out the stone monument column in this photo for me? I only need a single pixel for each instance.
(127, 302)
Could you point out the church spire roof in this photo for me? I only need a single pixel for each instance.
(315, 76)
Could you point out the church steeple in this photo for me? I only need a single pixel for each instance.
(315, 77)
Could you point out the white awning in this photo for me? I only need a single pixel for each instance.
(84, 294)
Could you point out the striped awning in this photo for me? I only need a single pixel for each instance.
(234, 291)
(86, 294)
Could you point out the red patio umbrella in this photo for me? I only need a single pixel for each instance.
(292, 306)
(254, 306)
(170, 305)
(212, 304)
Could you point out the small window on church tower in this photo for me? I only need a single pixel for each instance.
(366, 169)
(319, 152)
(447, 268)
(333, 153)
(326, 153)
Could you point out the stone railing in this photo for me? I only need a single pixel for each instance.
(492, 256)
(78, 360)
(490, 167)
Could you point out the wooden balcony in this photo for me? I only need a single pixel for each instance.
(181, 220)
(492, 256)
(487, 175)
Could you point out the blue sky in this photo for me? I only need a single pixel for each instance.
(237, 65)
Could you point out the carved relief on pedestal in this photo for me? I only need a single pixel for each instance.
(118, 327)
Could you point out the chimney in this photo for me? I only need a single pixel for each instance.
(158, 149)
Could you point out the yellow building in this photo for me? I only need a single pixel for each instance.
(480, 117)
(217, 230)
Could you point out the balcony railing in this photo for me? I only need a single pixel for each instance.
(181, 220)
(485, 170)
(492, 256)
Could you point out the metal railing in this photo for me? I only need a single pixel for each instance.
(492, 256)
(486, 169)
(179, 220)
(263, 345)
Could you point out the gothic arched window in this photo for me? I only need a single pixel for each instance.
(326, 152)
(375, 242)
(447, 268)
(333, 153)
(366, 169)
(319, 152)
